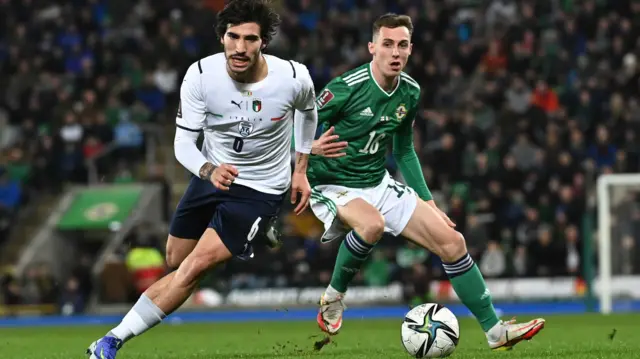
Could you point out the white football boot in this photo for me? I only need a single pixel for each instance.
(330, 314)
(511, 333)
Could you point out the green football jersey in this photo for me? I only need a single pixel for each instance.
(368, 118)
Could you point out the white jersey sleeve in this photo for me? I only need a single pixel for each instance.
(190, 121)
(306, 114)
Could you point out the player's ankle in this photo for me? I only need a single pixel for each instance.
(495, 332)
(331, 293)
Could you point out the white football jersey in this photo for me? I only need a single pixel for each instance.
(249, 125)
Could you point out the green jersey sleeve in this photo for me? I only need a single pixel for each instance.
(405, 155)
(331, 100)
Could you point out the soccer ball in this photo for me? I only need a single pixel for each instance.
(430, 331)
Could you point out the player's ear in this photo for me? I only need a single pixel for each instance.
(372, 48)
(410, 48)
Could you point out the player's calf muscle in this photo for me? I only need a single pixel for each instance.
(158, 287)
(208, 252)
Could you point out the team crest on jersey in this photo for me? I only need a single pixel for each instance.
(245, 128)
(325, 96)
(257, 105)
(401, 112)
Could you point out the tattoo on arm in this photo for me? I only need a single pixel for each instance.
(302, 160)
(206, 170)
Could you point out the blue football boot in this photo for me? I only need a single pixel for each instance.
(104, 348)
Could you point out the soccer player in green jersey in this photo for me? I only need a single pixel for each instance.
(371, 107)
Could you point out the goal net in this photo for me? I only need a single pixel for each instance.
(618, 240)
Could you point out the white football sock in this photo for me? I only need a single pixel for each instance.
(143, 316)
(331, 293)
(495, 332)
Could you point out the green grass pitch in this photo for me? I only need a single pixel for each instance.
(565, 337)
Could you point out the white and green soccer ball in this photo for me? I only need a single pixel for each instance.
(430, 331)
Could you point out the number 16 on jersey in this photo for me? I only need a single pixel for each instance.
(373, 145)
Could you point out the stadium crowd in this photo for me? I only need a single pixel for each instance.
(524, 103)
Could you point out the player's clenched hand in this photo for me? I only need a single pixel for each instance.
(300, 184)
(223, 176)
(326, 145)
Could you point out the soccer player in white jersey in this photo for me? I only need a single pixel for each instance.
(244, 168)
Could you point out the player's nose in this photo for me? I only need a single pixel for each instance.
(240, 48)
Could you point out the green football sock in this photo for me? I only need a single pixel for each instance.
(352, 254)
(467, 281)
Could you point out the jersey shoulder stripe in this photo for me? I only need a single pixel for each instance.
(408, 79)
(355, 76)
(355, 71)
(357, 80)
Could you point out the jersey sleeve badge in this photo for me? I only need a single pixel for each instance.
(324, 98)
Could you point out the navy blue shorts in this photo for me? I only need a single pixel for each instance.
(240, 215)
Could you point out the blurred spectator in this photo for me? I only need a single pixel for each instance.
(9, 134)
(128, 138)
(545, 97)
(518, 96)
(11, 291)
(493, 262)
(10, 193)
(72, 301)
(476, 237)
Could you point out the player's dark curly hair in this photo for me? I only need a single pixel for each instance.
(238, 12)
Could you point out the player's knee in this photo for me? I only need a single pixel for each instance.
(371, 231)
(173, 259)
(452, 247)
(174, 256)
(171, 255)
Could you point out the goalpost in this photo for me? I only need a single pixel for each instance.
(616, 196)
